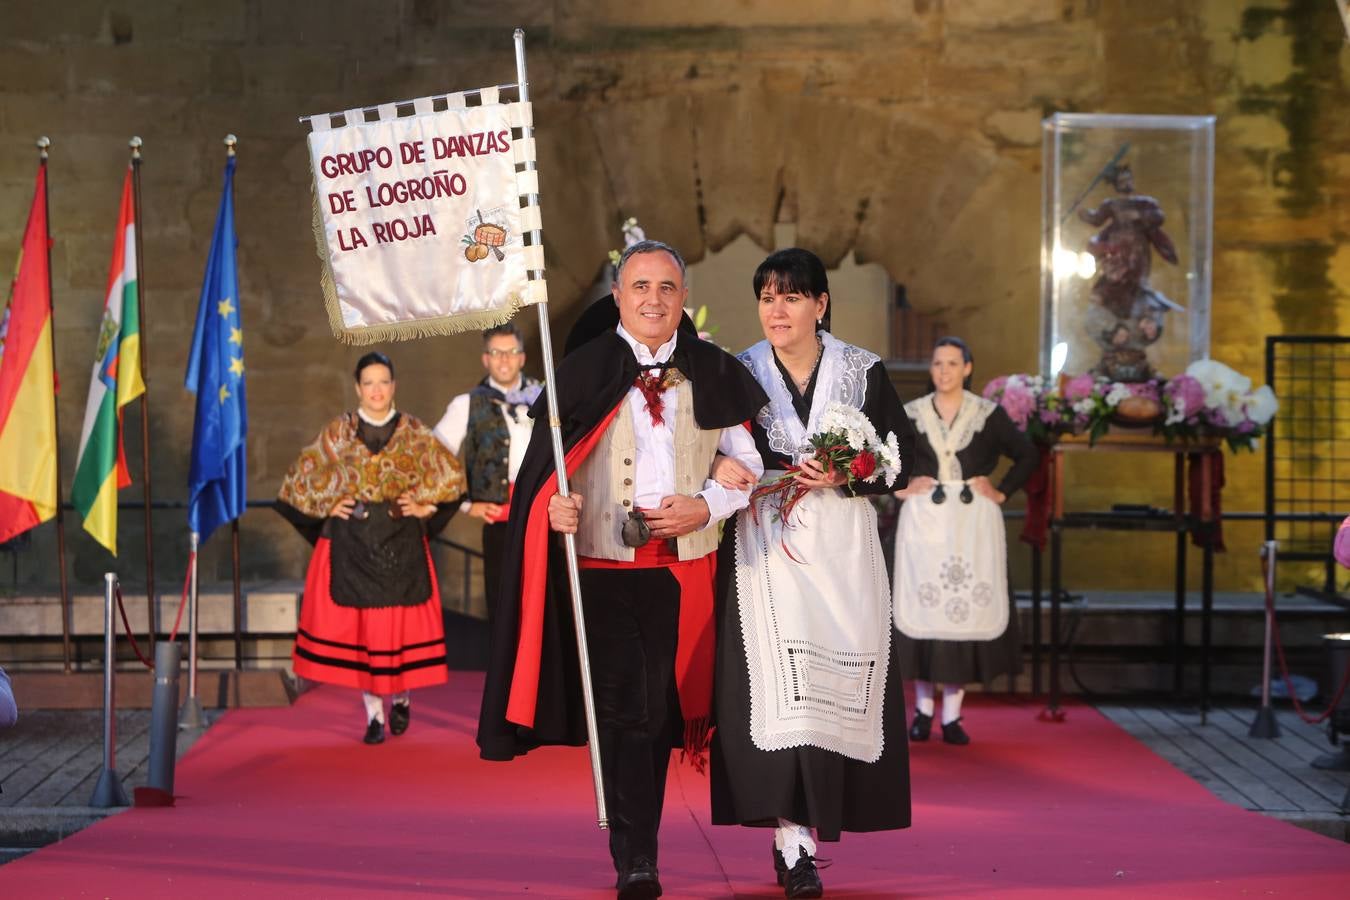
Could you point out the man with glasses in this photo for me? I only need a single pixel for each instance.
(488, 429)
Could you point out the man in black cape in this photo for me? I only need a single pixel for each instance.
(648, 602)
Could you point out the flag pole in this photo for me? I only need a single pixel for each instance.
(44, 145)
(560, 464)
(230, 143)
(135, 144)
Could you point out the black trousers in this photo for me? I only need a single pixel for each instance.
(632, 627)
(494, 548)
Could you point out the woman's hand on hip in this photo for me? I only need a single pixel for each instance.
(985, 488)
(410, 507)
(918, 486)
(343, 508)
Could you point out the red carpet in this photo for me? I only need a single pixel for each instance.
(288, 803)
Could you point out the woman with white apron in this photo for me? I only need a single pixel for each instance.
(807, 699)
(952, 604)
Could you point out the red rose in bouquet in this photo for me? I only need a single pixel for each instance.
(863, 465)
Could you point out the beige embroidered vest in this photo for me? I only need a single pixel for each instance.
(605, 480)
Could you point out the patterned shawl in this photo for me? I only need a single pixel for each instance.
(339, 465)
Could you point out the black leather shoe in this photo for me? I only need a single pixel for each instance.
(399, 714)
(640, 881)
(953, 733)
(779, 864)
(922, 727)
(803, 880)
(374, 732)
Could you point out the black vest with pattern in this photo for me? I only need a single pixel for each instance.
(487, 444)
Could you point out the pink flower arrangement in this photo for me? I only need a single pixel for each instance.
(1212, 400)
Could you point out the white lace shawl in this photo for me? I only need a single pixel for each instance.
(949, 440)
(842, 376)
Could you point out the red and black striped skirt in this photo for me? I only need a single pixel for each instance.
(382, 649)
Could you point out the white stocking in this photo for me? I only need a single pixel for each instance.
(952, 694)
(374, 707)
(923, 697)
(791, 838)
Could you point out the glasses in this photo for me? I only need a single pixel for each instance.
(499, 354)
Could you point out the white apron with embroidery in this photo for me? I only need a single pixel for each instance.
(951, 580)
(817, 632)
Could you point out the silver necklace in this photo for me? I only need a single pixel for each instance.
(803, 382)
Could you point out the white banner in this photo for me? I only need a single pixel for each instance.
(419, 220)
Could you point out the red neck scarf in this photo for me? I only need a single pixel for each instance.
(653, 383)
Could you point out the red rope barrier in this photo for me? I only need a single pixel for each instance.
(117, 592)
(1289, 683)
(178, 620)
(187, 579)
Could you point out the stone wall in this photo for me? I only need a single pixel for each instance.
(903, 133)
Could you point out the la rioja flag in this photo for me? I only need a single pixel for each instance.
(116, 381)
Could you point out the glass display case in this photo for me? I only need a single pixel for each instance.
(1127, 222)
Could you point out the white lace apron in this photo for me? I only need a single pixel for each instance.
(817, 633)
(951, 578)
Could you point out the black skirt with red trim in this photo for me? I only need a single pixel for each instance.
(381, 649)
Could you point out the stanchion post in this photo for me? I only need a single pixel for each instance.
(1265, 725)
(191, 715)
(163, 711)
(108, 791)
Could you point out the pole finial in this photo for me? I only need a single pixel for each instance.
(44, 143)
(135, 144)
(230, 143)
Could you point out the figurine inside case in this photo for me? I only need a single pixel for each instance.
(1127, 221)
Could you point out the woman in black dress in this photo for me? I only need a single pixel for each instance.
(810, 715)
(953, 608)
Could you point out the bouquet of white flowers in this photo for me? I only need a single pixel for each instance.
(846, 442)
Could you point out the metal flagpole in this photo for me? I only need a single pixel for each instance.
(191, 714)
(135, 144)
(560, 463)
(44, 144)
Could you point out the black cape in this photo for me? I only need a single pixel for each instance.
(594, 376)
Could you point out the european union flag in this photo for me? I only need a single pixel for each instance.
(216, 375)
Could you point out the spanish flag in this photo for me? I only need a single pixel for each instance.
(28, 384)
(116, 381)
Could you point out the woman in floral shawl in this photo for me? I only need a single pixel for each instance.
(367, 493)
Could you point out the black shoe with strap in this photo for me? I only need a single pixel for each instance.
(803, 879)
(953, 733)
(922, 727)
(399, 716)
(374, 732)
(640, 881)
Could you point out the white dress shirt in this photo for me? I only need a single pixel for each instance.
(654, 475)
(454, 425)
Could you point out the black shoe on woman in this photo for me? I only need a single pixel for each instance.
(922, 727)
(803, 880)
(399, 716)
(374, 732)
(953, 733)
